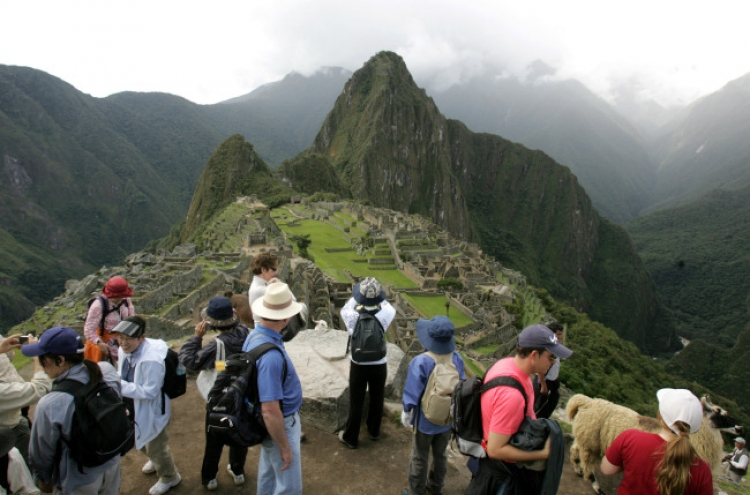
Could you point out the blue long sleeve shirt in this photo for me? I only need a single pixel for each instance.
(416, 381)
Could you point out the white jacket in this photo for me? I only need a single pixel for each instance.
(145, 390)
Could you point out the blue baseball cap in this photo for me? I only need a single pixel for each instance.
(55, 340)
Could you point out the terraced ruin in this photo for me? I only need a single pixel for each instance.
(411, 257)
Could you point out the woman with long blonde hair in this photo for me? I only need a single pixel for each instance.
(663, 463)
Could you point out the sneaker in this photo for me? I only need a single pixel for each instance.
(341, 439)
(148, 468)
(160, 488)
(239, 479)
(212, 485)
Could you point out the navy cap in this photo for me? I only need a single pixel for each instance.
(55, 340)
(538, 337)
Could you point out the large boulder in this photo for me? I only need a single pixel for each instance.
(323, 368)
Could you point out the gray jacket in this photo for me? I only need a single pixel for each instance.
(53, 421)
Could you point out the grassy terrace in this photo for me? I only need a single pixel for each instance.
(431, 306)
(324, 235)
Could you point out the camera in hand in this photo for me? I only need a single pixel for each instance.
(23, 339)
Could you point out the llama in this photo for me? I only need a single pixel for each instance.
(597, 422)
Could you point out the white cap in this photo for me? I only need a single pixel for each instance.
(679, 404)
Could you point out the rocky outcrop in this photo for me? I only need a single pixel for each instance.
(319, 356)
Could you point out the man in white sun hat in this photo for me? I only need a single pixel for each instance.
(280, 392)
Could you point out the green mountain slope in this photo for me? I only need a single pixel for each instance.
(233, 170)
(87, 180)
(386, 143)
(698, 256)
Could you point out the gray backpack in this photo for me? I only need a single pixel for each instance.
(436, 399)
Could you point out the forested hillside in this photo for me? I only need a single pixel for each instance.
(699, 258)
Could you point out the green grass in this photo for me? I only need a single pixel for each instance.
(472, 367)
(487, 349)
(731, 489)
(431, 306)
(324, 235)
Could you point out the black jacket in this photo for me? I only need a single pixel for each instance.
(196, 357)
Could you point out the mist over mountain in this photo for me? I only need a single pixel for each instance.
(387, 144)
(569, 123)
(281, 118)
(708, 148)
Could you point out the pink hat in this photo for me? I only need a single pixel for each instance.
(117, 287)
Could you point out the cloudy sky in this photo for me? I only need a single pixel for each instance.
(209, 51)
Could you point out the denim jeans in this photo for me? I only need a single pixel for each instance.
(273, 481)
(420, 478)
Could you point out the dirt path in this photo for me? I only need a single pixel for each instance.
(328, 467)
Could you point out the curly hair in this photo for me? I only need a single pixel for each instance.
(263, 260)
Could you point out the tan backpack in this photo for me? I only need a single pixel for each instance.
(436, 400)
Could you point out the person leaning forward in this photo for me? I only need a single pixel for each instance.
(503, 412)
(280, 466)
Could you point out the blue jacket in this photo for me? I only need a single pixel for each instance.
(416, 381)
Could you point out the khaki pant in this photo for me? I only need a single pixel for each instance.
(158, 452)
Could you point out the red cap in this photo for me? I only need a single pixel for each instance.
(117, 287)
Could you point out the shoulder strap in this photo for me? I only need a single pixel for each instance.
(259, 351)
(445, 359)
(507, 381)
(220, 350)
(69, 386)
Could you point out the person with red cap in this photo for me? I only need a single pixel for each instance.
(105, 312)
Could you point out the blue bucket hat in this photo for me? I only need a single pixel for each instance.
(437, 334)
(56, 340)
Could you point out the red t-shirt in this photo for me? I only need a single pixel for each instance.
(502, 407)
(634, 451)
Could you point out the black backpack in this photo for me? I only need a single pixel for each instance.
(175, 377)
(234, 409)
(367, 342)
(106, 308)
(102, 427)
(466, 411)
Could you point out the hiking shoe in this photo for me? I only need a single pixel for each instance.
(160, 488)
(239, 479)
(212, 485)
(148, 468)
(341, 439)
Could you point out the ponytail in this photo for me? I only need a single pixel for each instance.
(673, 471)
